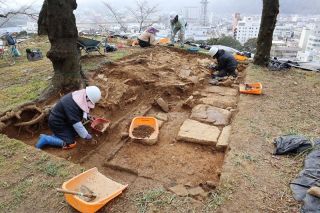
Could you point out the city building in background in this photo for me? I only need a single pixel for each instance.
(204, 13)
(310, 43)
(247, 28)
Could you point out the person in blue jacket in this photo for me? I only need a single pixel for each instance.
(227, 64)
(65, 119)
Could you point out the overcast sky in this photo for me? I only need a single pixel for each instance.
(215, 6)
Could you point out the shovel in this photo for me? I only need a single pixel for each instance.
(89, 195)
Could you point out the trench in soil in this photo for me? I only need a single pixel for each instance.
(129, 88)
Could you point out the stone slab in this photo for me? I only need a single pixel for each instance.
(224, 91)
(160, 123)
(179, 190)
(223, 141)
(212, 115)
(196, 191)
(184, 73)
(163, 104)
(197, 132)
(219, 100)
(162, 116)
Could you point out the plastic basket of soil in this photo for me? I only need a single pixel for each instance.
(144, 129)
(100, 124)
(254, 88)
(92, 182)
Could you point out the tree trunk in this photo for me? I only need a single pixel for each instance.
(56, 19)
(268, 23)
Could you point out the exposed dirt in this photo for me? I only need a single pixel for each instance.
(129, 88)
(142, 131)
(101, 127)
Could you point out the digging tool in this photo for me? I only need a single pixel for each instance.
(92, 196)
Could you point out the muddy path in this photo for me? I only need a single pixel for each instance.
(129, 89)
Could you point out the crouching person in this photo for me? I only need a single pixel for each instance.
(65, 119)
(227, 64)
(147, 38)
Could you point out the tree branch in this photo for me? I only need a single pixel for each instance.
(115, 15)
(24, 10)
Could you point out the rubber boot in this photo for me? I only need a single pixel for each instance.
(47, 140)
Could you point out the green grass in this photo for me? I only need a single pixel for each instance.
(118, 55)
(53, 169)
(157, 197)
(24, 81)
(218, 197)
(48, 185)
(19, 192)
(26, 174)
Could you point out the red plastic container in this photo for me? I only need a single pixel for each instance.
(98, 121)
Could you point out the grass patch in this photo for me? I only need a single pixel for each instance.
(47, 185)
(157, 197)
(119, 55)
(4, 184)
(52, 169)
(20, 191)
(218, 197)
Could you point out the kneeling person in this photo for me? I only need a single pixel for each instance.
(147, 38)
(66, 116)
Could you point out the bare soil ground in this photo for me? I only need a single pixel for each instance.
(252, 179)
(129, 89)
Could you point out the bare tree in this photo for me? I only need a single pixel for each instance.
(116, 16)
(267, 26)
(7, 14)
(56, 19)
(142, 13)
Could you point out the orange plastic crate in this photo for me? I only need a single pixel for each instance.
(105, 189)
(253, 88)
(149, 121)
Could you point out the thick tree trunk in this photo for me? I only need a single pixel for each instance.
(268, 23)
(56, 19)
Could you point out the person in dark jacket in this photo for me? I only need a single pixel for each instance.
(227, 64)
(65, 119)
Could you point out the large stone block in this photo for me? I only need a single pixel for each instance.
(179, 190)
(219, 100)
(224, 138)
(224, 91)
(196, 132)
(210, 114)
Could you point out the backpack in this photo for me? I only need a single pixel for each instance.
(10, 40)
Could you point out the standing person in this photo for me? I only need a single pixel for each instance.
(177, 24)
(147, 38)
(66, 116)
(227, 64)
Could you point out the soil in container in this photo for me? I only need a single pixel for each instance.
(142, 131)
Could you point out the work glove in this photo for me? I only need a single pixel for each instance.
(90, 117)
(88, 137)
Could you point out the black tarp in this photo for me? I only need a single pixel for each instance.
(308, 177)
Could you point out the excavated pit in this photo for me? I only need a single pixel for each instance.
(129, 88)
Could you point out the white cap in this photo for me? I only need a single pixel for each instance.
(93, 93)
(213, 51)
